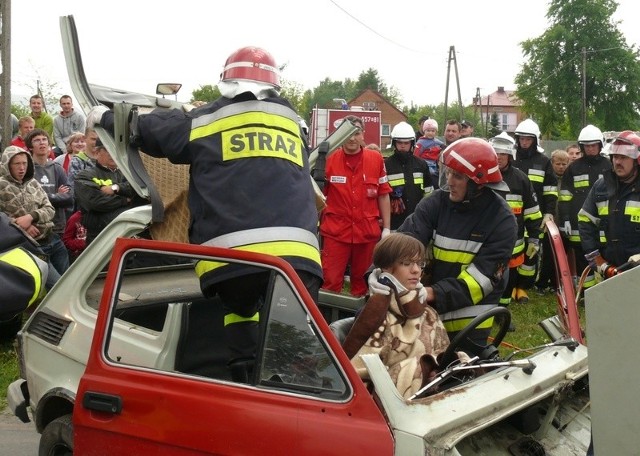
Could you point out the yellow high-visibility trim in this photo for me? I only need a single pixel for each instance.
(459, 325)
(276, 248)
(232, 318)
(245, 118)
(475, 290)
(265, 135)
(102, 182)
(21, 259)
(453, 256)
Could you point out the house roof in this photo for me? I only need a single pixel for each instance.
(375, 94)
(501, 97)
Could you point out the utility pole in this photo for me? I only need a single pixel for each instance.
(477, 105)
(5, 76)
(584, 87)
(452, 57)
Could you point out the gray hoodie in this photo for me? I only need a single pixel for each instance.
(51, 176)
(64, 126)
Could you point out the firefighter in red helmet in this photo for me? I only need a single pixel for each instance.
(244, 193)
(471, 231)
(610, 216)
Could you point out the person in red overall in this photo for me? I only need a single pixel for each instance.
(357, 191)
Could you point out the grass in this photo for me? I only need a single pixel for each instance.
(524, 316)
(8, 370)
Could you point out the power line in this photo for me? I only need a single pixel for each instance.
(372, 30)
(556, 70)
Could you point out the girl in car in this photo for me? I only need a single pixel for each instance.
(401, 327)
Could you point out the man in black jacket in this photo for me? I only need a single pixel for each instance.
(102, 193)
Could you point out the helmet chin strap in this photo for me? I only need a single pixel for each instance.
(473, 191)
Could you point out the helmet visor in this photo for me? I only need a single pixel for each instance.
(445, 174)
(620, 148)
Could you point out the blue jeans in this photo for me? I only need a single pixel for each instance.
(57, 252)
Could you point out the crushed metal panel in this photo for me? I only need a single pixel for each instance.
(612, 323)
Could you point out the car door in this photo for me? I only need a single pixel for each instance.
(162, 387)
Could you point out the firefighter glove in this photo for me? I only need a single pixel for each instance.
(546, 218)
(95, 115)
(635, 258)
(376, 287)
(595, 259)
(422, 293)
(533, 247)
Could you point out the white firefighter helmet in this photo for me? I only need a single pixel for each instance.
(528, 127)
(504, 144)
(403, 131)
(591, 135)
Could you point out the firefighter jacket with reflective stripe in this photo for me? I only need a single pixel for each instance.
(99, 208)
(609, 220)
(472, 245)
(537, 167)
(352, 211)
(576, 183)
(23, 269)
(410, 180)
(522, 200)
(250, 186)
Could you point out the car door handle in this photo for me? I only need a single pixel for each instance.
(102, 402)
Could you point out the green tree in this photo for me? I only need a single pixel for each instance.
(20, 110)
(494, 130)
(550, 82)
(205, 93)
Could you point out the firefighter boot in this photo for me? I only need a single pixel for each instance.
(521, 296)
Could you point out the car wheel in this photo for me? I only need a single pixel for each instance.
(57, 438)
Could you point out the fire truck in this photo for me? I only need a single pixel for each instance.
(326, 121)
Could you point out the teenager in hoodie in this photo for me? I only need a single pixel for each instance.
(24, 201)
(53, 181)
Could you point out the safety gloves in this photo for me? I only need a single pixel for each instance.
(95, 115)
(533, 247)
(546, 218)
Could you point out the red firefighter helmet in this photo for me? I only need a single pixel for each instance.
(476, 159)
(251, 64)
(627, 144)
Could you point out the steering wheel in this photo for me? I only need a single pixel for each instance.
(490, 350)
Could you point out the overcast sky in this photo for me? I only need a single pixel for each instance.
(134, 44)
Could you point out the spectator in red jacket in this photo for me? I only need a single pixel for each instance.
(75, 236)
